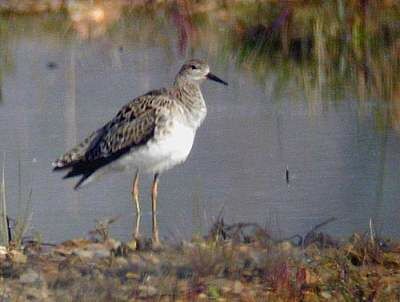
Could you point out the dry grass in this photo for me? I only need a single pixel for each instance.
(249, 267)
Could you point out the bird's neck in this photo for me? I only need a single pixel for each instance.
(189, 96)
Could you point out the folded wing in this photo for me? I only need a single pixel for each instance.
(133, 126)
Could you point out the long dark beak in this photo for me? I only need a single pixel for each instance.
(213, 77)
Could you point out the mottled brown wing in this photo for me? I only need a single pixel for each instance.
(77, 153)
(131, 111)
(122, 136)
(117, 141)
(132, 127)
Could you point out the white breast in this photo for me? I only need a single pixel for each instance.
(162, 153)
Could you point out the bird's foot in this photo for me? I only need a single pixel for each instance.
(156, 245)
(137, 243)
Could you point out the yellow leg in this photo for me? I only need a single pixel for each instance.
(154, 193)
(135, 198)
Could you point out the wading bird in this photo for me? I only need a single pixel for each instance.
(152, 133)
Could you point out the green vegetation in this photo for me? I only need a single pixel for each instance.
(331, 46)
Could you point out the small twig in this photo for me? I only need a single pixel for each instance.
(102, 227)
(4, 226)
(9, 229)
(371, 231)
(324, 223)
(287, 175)
(31, 241)
(309, 234)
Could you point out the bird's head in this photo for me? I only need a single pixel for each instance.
(196, 71)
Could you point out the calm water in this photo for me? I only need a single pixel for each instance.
(342, 163)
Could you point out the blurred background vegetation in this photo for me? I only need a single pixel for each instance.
(327, 50)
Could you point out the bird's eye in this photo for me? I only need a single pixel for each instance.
(193, 67)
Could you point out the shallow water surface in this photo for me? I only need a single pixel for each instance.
(341, 161)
